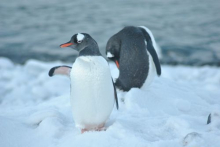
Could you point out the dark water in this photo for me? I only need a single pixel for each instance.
(187, 31)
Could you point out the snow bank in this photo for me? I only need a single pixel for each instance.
(172, 111)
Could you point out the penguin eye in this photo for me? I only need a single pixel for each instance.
(79, 41)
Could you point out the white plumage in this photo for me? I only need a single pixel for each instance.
(92, 92)
(109, 55)
(80, 37)
(151, 72)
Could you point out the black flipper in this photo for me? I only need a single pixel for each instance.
(115, 93)
(63, 70)
(152, 51)
(209, 119)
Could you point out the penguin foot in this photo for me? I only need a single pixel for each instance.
(99, 128)
(83, 131)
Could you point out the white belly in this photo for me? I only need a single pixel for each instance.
(92, 92)
(151, 72)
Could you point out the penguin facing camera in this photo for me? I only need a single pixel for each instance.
(134, 51)
(93, 92)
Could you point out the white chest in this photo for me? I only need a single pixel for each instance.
(92, 93)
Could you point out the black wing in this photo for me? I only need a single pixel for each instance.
(115, 93)
(152, 51)
(62, 70)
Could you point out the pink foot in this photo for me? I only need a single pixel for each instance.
(99, 128)
(83, 131)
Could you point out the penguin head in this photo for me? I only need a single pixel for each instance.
(80, 41)
(113, 49)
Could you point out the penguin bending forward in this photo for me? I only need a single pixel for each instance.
(133, 51)
(92, 89)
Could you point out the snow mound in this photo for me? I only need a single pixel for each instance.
(173, 111)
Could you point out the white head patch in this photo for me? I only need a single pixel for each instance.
(109, 55)
(80, 37)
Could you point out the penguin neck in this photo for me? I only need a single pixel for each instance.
(90, 51)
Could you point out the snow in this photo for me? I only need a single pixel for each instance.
(35, 109)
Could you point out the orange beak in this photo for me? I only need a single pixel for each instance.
(117, 64)
(66, 44)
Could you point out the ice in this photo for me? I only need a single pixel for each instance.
(35, 109)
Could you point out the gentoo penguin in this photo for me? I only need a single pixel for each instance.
(133, 51)
(92, 89)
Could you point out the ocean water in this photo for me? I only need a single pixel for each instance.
(187, 31)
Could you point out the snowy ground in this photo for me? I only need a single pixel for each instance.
(35, 110)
